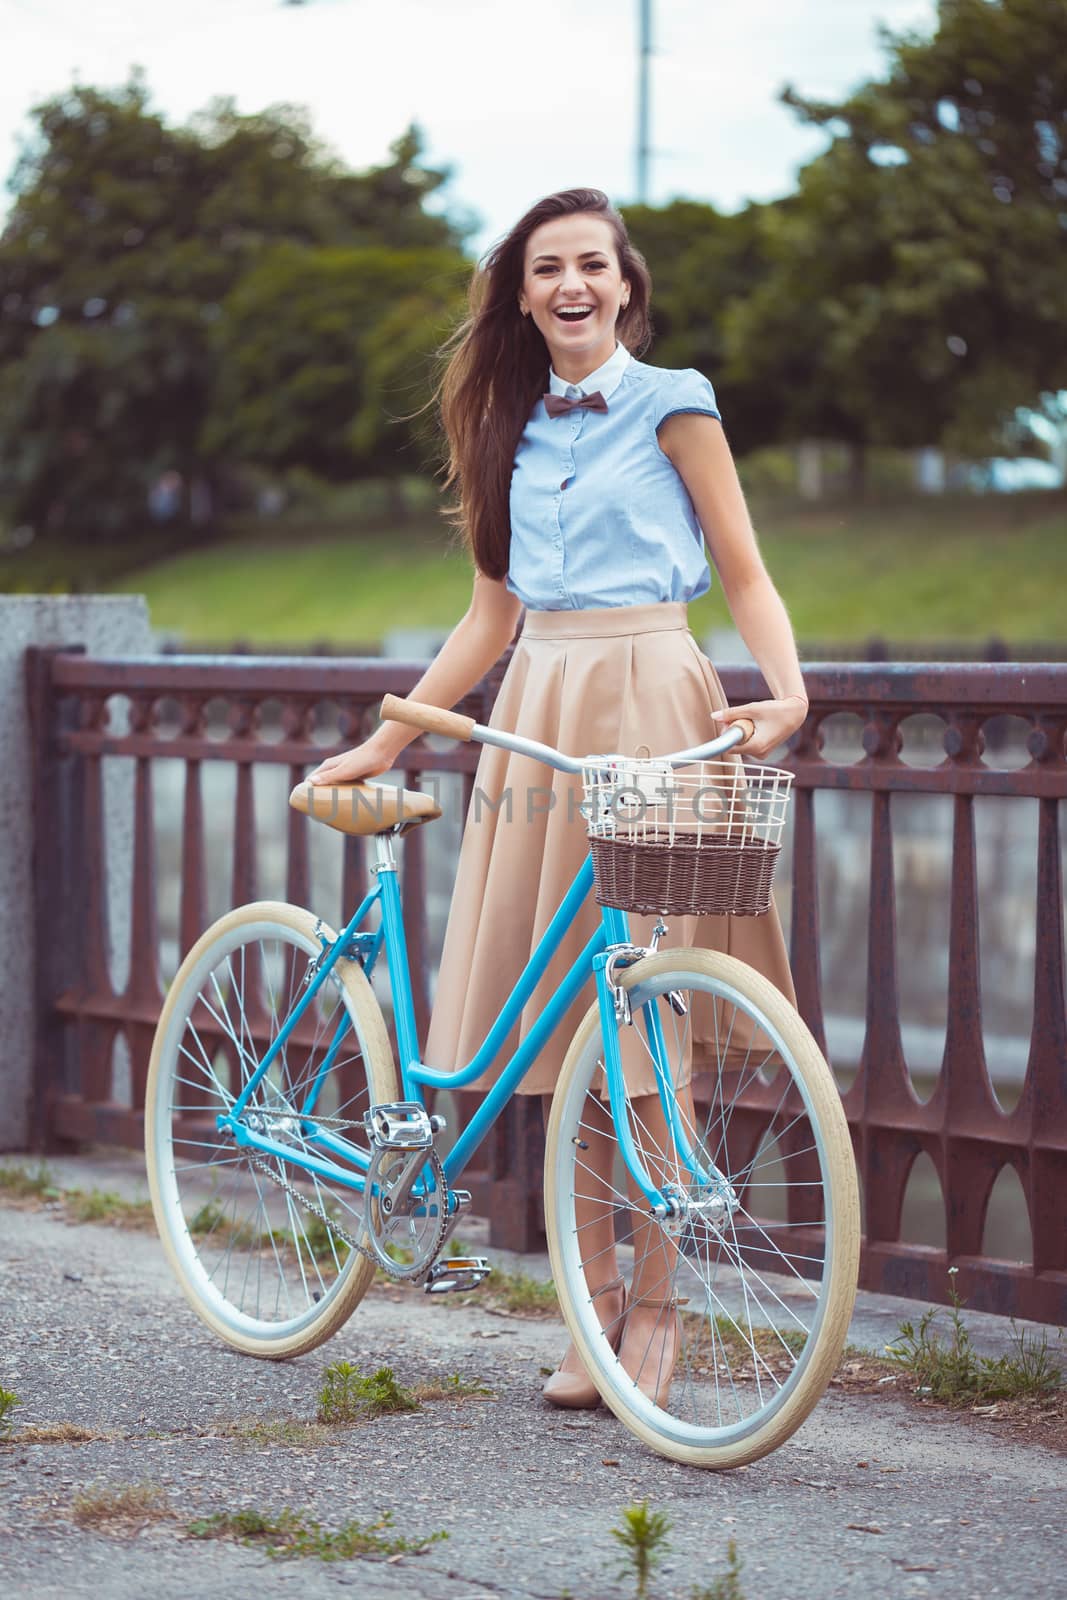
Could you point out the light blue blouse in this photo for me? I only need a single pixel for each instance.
(599, 515)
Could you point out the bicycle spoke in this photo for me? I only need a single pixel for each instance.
(737, 1256)
(248, 1225)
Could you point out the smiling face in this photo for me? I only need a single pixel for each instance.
(573, 289)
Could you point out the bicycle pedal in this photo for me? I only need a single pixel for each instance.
(403, 1125)
(457, 1275)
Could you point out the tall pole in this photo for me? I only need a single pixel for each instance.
(644, 56)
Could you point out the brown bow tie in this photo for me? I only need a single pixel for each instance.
(557, 404)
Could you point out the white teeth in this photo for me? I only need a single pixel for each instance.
(571, 311)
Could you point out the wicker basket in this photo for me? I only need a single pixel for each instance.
(697, 841)
(713, 878)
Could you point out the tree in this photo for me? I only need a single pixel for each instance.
(126, 240)
(921, 263)
(703, 261)
(313, 343)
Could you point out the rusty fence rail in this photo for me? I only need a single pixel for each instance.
(88, 713)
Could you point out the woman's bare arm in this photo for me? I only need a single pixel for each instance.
(479, 639)
(697, 447)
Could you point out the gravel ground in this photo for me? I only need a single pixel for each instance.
(872, 1496)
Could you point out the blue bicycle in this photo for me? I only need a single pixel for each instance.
(289, 1159)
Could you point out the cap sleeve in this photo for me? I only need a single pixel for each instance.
(685, 390)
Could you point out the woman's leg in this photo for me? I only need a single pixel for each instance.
(649, 1347)
(595, 1218)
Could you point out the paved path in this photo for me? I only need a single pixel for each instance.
(96, 1333)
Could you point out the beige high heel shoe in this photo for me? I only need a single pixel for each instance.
(570, 1385)
(654, 1360)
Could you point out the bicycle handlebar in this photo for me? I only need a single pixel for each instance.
(434, 719)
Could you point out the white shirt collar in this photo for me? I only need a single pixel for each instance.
(606, 378)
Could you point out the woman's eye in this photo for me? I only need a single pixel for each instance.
(597, 266)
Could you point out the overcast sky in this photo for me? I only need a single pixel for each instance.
(520, 97)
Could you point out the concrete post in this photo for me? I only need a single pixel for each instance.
(111, 625)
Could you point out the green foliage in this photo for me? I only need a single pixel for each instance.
(316, 350)
(953, 1372)
(79, 1205)
(127, 239)
(347, 1395)
(517, 1292)
(942, 193)
(288, 1534)
(21, 1184)
(9, 1404)
(725, 1585)
(104, 1205)
(644, 1536)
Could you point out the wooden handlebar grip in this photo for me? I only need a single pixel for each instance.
(749, 727)
(431, 719)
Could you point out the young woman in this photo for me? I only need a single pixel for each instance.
(586, 480)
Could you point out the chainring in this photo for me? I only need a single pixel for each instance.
(407, 1242)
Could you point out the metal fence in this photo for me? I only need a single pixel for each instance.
(249, 711)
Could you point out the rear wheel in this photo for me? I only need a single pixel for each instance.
(752, 1282)
(256, 1259)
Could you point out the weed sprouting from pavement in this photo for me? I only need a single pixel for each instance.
(952, 1371)
(644, 1536)
(104, 1205)
(128, 1505)
(726, 1585)
(19, 1183)
(454, 1387)
(78, 1205)
(293, 1533)
(9, 1404)
(348, 1395)
(517, 1292)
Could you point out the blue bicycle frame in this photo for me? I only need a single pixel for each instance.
(366, 946)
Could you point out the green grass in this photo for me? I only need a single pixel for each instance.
(124, 1506)
(349, 589)
(951, 1370)
(958, 568)
(287, 1534)
(104, 1205)
(9, 1403)
(20, 1183)
(264, 1432)
(516, 1292)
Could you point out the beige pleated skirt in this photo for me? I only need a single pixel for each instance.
(629, 680)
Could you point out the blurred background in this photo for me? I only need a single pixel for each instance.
(236, 231)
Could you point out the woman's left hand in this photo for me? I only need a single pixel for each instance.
(774, 721)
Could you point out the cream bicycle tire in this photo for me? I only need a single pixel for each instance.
(322, 1316)
(734, 1446)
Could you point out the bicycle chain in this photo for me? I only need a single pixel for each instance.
(338, 1228)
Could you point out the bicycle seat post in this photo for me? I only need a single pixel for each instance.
(384, 855)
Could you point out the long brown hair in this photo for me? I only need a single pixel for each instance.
(497, 369)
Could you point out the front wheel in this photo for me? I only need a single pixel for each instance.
(747, 1287)
(249, 1235)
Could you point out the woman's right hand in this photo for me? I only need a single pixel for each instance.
(366, 760)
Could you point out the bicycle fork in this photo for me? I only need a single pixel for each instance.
(701, 1189)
